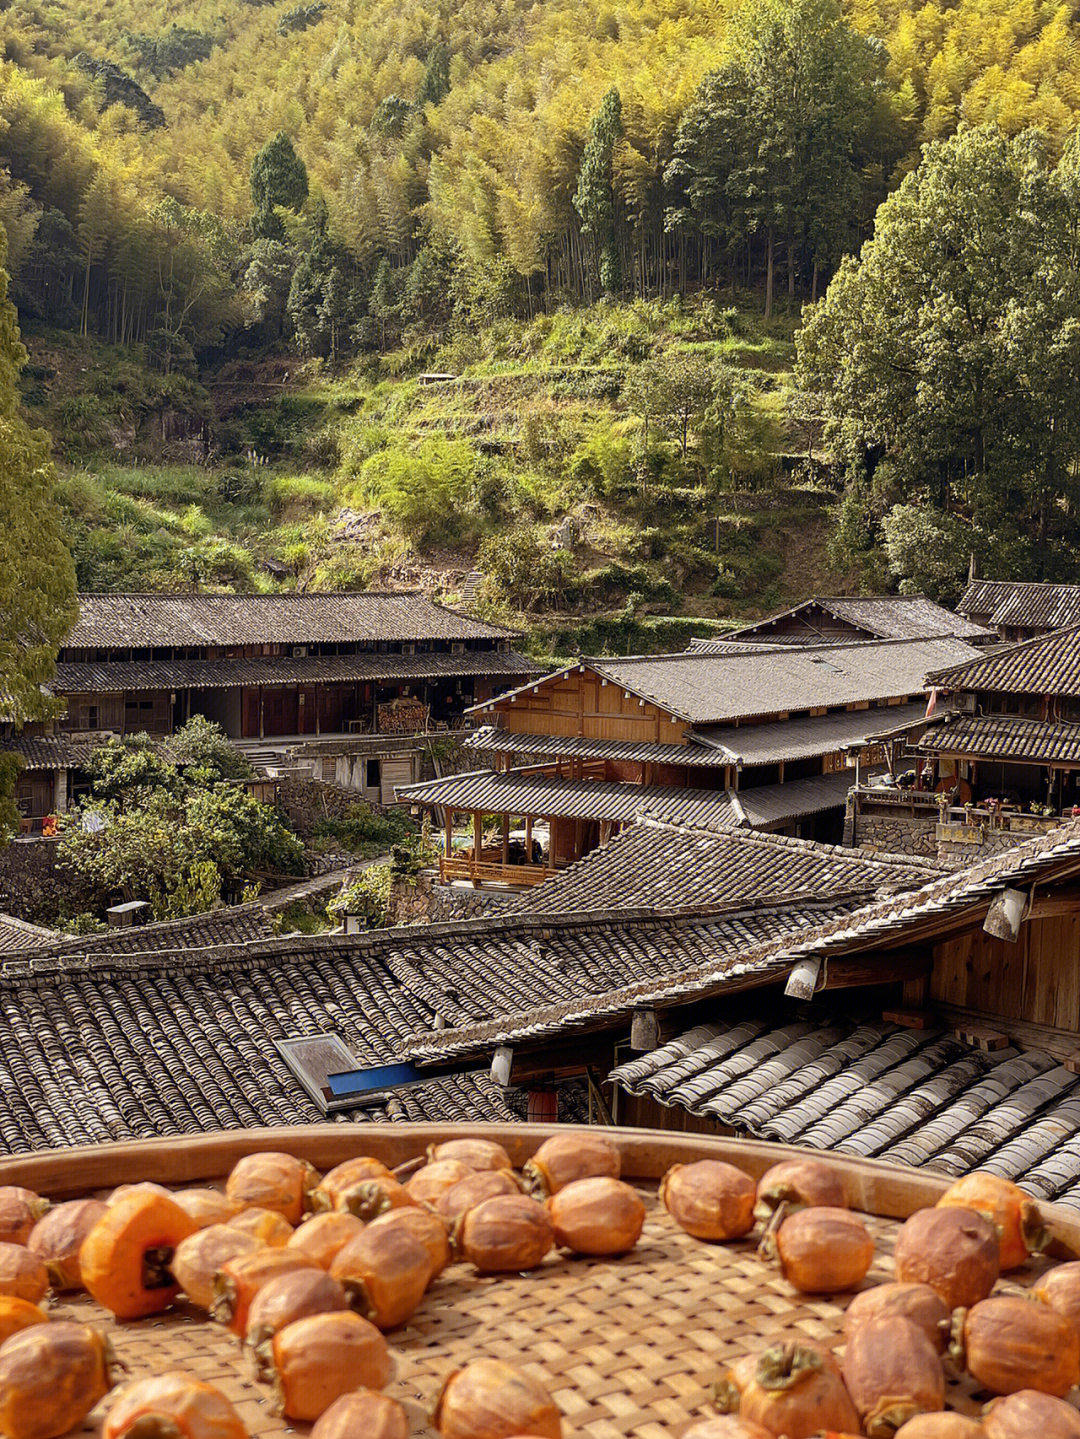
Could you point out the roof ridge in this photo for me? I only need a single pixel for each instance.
(291, 949)
(815, 649)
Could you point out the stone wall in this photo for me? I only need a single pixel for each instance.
(33, 888)
(306, 801)
(900, 835)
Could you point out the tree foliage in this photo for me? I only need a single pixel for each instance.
(947, 357)
(37, 579)
(172, 830)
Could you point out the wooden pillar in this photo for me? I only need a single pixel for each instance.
(504, 825)
(261, 717)
(477, 841)
(551, 844)
(448, 831)
(528, 839)
(318, 705)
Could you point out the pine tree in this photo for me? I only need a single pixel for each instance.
(37, 578)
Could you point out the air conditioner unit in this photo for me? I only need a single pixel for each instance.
(964, 703)
(457, 647)
(299, 651)
(408, 649)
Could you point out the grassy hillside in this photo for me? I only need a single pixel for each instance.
(376, 475)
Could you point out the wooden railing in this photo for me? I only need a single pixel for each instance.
(1008, 819)
(491, 872)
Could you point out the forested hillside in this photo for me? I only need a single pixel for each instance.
(240, 232)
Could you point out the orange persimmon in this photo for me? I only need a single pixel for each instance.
(172, 1406)
(58, 1236)
(16, 1314)
(51, 1376)
(125, 1258)
(270, 1180)
(20, 1210)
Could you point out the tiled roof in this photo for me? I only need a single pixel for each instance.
(1046, 665)
(104, 677)
(1004, 737)
(671, 867)
(491, 740)
(47, 751)
(705, 689)
(769, 804)
(801, 738)
(885, 617)
(112, 1046)
(144, 621)
(955, 901)
(914, 1097)
(16, 935)
(491, 792)
(1021, 604)
(234, 924)
(547, 797)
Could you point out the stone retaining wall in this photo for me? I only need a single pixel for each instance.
(901, 835)
(33, 888)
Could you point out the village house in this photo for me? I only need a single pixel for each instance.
(353, 672)
(1020, 609)
(938, 1026)
(825, 620)
(998, 759)
(757, 736)
(214, 1021)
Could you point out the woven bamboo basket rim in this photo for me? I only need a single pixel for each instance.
(629, 1347)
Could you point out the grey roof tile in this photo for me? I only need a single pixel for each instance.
(1046, 665)
(547, 796)
(708, 689)
(701, 688)
(1020, 604)
(881, 616)
(675, 866)
(911, 1097)
(141, 621)
(1004, 737)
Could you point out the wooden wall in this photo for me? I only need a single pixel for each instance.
(580, 704)
(1037, 979)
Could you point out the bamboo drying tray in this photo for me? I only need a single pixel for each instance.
(628, 1346)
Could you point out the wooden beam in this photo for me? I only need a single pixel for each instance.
(895, 967)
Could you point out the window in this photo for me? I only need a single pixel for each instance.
(373, 774)
(88, 717)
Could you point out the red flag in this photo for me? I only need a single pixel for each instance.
(932, 706)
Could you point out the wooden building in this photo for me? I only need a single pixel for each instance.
(1005, 735)
(1020, 609)
(938, 1026)
(833, 619)
(764, 737)
(265, 667)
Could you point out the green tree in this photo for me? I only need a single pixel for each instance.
(691, 392)
(435, 85)
(173, 833)
(594, 198)
(947, 356)
(278, 176)
(785, 140)
(37, 577)
(647, 393)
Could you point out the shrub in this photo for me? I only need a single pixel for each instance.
(299, 494)
(430, 489)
